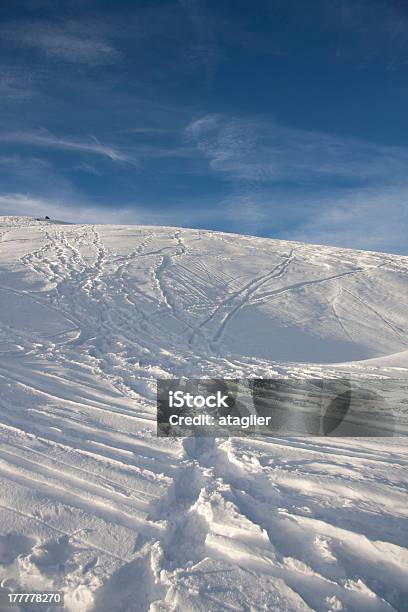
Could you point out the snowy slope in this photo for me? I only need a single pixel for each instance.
(92, 502)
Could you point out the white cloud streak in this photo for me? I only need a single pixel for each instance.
(78, 43)
(278, 175)
(45, 139)
(251, 149)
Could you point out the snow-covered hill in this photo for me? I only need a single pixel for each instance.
(92, 502)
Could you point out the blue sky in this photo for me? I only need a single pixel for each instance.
(279, 118)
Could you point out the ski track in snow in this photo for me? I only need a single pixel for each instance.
(93, 503)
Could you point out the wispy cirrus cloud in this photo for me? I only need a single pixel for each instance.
(261, 150)
(307, 185)
(44, 138)
(70, 41)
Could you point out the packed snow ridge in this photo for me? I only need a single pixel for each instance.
(94, 504)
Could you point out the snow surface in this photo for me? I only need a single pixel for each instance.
(93, 503)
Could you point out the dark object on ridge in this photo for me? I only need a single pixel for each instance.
(46, 218)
